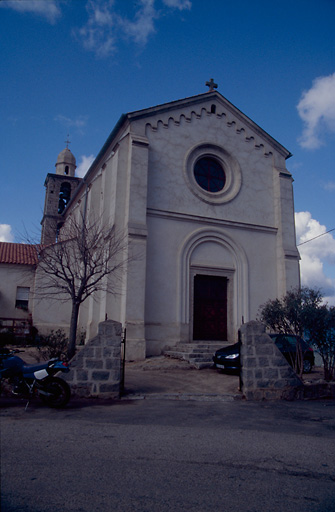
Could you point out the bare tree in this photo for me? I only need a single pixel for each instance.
(87, 258)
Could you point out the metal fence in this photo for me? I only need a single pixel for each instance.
(123, 359)
(17, 329)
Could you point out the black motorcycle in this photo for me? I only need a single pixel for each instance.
(29, 380)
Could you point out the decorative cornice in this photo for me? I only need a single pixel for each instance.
(137, 230)
(292, 254)
(60, 177)
(177, 118)
(164, 214)
(138, 140)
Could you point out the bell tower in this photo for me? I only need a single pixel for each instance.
(59, 190)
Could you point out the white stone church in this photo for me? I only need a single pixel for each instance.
(204, 195)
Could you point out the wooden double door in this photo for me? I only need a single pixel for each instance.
(210, 308)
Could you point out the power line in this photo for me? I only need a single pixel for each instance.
(302, 243)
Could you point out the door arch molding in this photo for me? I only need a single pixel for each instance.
(238, 273)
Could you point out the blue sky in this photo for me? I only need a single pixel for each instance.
(74, 66)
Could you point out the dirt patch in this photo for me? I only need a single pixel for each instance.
(167, 375)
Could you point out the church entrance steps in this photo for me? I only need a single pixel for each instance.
(199, 355)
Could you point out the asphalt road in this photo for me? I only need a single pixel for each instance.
(168, 455)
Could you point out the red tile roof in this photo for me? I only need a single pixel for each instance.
(19, 254)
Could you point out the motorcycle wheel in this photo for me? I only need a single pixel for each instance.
(59, 393)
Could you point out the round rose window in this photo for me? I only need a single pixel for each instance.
(209, 174)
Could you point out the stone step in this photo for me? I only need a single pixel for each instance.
(199, 355)
(189, 357)
(189, 348)
(177, 354)
(201, 365)
(189, 352)
(203, 344)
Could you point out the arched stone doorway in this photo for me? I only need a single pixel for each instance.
(214, 290)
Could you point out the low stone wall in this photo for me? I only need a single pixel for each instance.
(265, 374)
(318, 390)
(95, 371)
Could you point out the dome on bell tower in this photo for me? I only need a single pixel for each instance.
(66, 163)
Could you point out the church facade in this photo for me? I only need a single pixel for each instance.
(206, 201)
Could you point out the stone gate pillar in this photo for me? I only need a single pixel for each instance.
(95, 371)
(265, 373)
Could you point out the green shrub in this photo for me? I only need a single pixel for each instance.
(53, 344)
(6, 338)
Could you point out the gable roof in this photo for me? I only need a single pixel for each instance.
(171, 106)
(18, 254)
(187, 102)
(209, 96)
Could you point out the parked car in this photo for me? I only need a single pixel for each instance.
(228, 358)
(287, 344)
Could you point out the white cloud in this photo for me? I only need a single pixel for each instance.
(315, 255)
(317, 109)
(84, 165)
(78, 123)
(178, 4)
(330, 186)
(6, 234)
(105, 26)
(143, 25)
(98, 33)
(49, 9)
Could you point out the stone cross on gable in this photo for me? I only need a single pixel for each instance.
(211, 85)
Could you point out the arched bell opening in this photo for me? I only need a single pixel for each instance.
(64, 196)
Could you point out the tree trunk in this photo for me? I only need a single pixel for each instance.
(73, 330)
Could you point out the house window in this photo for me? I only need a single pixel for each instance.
(22, 297)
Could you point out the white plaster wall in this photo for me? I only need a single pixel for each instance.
(167, 187)
(106, 198)
(247, 257)
(252, 221)
(120, 194)
(12, 276)
(49, 314)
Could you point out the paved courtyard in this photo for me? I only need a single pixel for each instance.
(173, 378)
